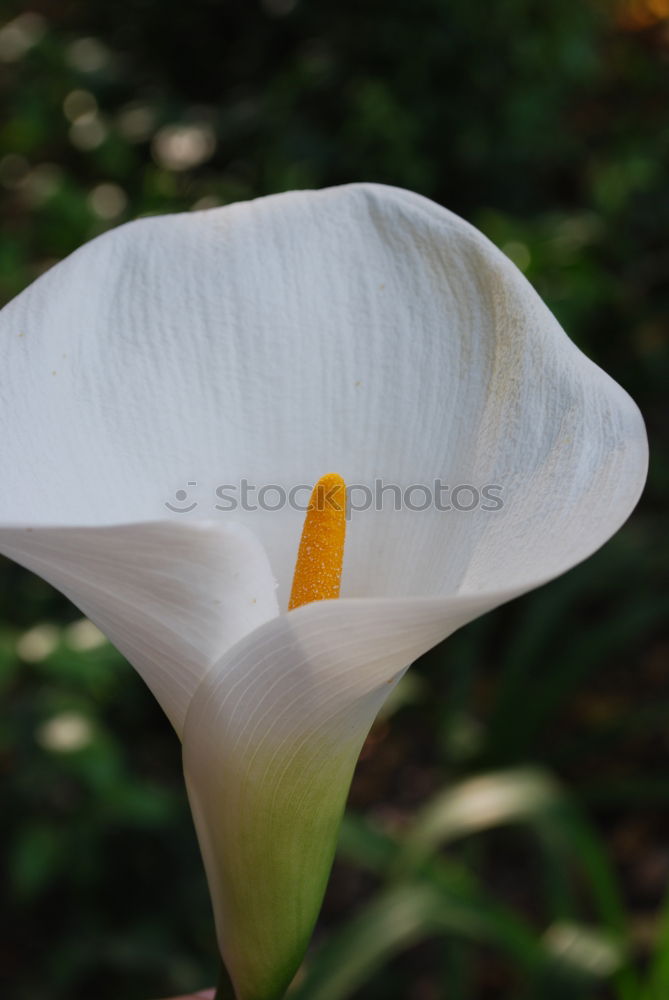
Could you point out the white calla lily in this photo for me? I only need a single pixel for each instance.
(362, 330)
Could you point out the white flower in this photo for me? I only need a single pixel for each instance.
(362, 330)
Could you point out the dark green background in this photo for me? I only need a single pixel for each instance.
(546, 124)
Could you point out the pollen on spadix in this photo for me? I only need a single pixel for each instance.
(321, 553)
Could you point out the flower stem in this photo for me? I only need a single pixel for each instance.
(225, 990)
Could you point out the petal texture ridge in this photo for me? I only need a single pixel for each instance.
(171, 596)
(191, 347)
(270, 744)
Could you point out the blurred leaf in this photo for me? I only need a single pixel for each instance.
(35, 859)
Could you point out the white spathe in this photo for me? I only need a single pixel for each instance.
(362, 330)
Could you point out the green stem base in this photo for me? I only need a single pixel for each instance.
(225, 990)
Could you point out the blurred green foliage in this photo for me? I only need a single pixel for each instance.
(509, 826)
